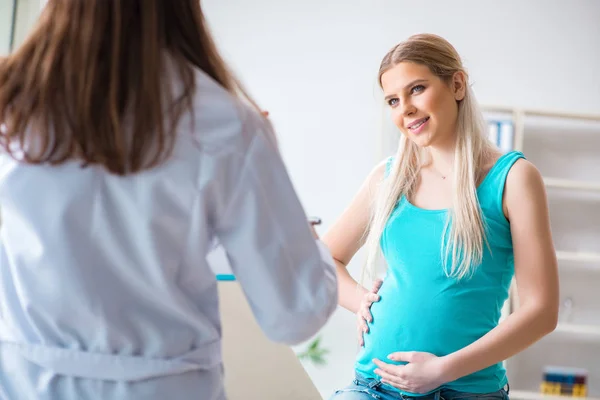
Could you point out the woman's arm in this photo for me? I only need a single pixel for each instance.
(536, 274)
(347, 235)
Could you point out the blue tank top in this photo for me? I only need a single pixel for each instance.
(421, 309)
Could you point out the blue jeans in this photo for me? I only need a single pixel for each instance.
(371, 389)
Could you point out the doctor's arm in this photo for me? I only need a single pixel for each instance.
(288, 277)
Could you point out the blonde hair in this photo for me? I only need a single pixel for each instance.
(464, 234)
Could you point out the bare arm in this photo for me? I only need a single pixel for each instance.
(347, 236)
(536, 275)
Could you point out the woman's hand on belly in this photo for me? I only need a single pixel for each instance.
(423, 373)
(363, 316)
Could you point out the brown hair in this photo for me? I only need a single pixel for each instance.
(90, 83)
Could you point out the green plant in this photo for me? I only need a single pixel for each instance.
(314, 353)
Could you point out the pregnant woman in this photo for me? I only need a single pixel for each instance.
(455, 220)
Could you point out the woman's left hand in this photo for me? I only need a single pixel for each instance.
(423, 373)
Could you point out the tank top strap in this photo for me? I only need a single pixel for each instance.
(388, 166)
(491, 189)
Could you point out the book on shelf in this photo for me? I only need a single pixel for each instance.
(501, 133)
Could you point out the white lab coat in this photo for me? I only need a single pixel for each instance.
(106, 291)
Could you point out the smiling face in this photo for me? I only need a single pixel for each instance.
(424, 107)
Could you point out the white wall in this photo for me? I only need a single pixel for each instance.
(313, 65)
(27, 14)
(6, 14)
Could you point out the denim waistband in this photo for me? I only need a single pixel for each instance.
(439, 394)
(377, 385)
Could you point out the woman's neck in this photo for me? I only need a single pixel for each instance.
(442, 159)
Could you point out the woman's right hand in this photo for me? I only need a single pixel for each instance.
(363, 315)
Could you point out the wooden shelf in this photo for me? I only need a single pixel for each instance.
(571, 184)
(525, 395)
(578, 256)
(540, 113)
(579, 329)
(576, 189)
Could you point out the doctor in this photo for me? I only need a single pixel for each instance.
(128, 149)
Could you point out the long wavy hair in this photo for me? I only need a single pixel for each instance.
(464, 235)
(90, 82)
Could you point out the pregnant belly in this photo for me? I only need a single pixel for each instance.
(397, 328)
(407, 320)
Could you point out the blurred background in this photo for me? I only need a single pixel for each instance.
(533, 66)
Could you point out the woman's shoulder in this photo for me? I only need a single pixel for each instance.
(522, 175)
(496, 166)
(374, 178)
(382, 169)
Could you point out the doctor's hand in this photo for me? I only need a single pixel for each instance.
(423, 373)
(314, 231)
(363, 315)
(312, 222)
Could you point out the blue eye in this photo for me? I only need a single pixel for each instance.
(417, 89)
(392, 102)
